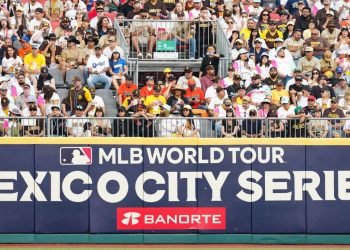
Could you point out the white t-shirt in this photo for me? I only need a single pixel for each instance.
(183, 81)
(94, 21)
(211, 93)
(11, 63)
(77, 125)
(108, 52)
(34, 25)
(282, 113)
(96, 102)
(55, 97)
(29, 9)
(98, 63)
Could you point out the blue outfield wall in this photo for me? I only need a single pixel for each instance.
(140, 190)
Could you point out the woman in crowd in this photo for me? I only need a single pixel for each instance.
(315, 78)
(118, 67)
(101, 127)
(344, 103)
(237, 16)
(288, 33)
(275, 126)
(178, 8)
(5, 29)
(50, 98)
(230, 125)
(263, 22)
(264, 66)
(102, 26)
(317, 127)
(122, 126)
(11, 61)
(187, 126)
(325, 101)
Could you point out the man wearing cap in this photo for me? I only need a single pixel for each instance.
(331, 34)
(188, 75)
(257, 50)
(211, 90)
(156, 9)
(75, 127)
(296, 89)
(271, 34)
(297, 73)
(326, 14)
(98, 65)
(292, 6)
(242, 110)
(195, 95)
(80, 96)
(258, 91)
(318, 44)
(132, 101)
(286, 111)
(154, 101)
(34, 61)
(311, 107)
(339, 74)
(148, 88)
(71, 56)
(245, 32)
(125, 89)
(285, 65)
(278, 93)
(300, 6)
(5, 93)
(217, 107)
(308, 62)
(236, 47)
(255, 9)
(335, 127)
(177, 100)
(30, 7)
(295, 44)
(51, 51)
(35, 23)
(53, 10)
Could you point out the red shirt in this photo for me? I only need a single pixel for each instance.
(196, 93)
(126, 91)
(144, 92)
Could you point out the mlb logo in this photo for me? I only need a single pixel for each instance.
(76, 155)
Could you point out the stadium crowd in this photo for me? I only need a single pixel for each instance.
(290, 64)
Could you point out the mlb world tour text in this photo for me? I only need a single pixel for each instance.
(275, 184)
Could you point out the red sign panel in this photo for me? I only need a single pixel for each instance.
(171, 218)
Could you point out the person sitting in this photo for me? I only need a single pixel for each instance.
(101, 127)
(98, 65)
(230, 125)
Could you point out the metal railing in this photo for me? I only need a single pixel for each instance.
(175, 127)
(165, 39)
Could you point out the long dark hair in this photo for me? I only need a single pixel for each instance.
(251, 38)
(48, 92)
(14, 52)
(268, 63)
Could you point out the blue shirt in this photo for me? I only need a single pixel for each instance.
(117, 66)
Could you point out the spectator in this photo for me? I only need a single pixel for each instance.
(244, 66)
(11, 61)
(264, 65)
(272, 79)
(278, 93)
(319, 44)
(154, 101)
(285, 66)
(316, 91)
(195, 95)
(34, 61)
(296, 89)
(143, 33)
(57, 125)
(97, 102)
(148, 88)
(326, 15)
(317, 128)
(335, 126)
(257, 50)
(50, 98)
(183, 80)
(51, 51)
(53, 10)
(35, 23)
(211, 91)
(310, 109)
(327, 64)
(101, 127)
(298, 124)
(187, 127)
(330, 34)
(347, 125)
(80, 96)
(252, 127)
(271, 34)
(71, 56)
(183, 34)
(177, 100)
(13, 128)
(122, 125)
(143, 122)
(344, 103)
(131, 102)
(341, 89)
(211, 59)
(34, 125)
(302, 22)
(45, 78)
(75, 125)
(275, 127)
(257, 91)
(230, 126)
(207, 79)
(295, 44)
(100, 14)
(125, 89)
(98, 65)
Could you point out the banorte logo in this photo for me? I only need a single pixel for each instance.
(131, 218)
(171, 218)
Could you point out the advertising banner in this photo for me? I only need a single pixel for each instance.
(207, 189)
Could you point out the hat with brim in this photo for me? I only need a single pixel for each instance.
(266, 101)
(15, 111)
(73, 39)
(53, 36)
(55, 107)
(92, 39)
(178, 87)
(242, 51)
(284, 100)
(279, 49)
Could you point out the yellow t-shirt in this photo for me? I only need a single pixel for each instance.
(150, 103)
(34, 63)
(276, 95)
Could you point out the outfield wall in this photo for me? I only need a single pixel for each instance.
(139, 190)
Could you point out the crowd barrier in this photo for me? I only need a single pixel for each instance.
(145, 190)
(175, 126)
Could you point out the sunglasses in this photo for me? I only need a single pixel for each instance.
(111, 41)
(99, 11)
(228, 105)
(230, 22)
(257, 42)
(314, 34)
(3, 90)
(143, 16)
(31, 110)
(186, 110)
(298, 80)
(265, 14)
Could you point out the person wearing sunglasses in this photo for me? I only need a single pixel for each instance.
(308, 62)
(319, 44)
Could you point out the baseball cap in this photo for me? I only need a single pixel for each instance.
(188, 69)
(136, 92)
(172, 78)
(55, 107)
(297, 110)
(187, 106)
(266, 101)
(298, 78)
(227, 101)
(339, 69)
(311, 98)
(44, 70)
(167, 70)
(309, 49)
(15, 111)
(5, 101)
(333, 100)
(297, 70)
(191, 82)
(31, 99)
(128, 77)
(79, 107)
(246, 98)
(279, 40)
(279, 48)
(39, 10)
